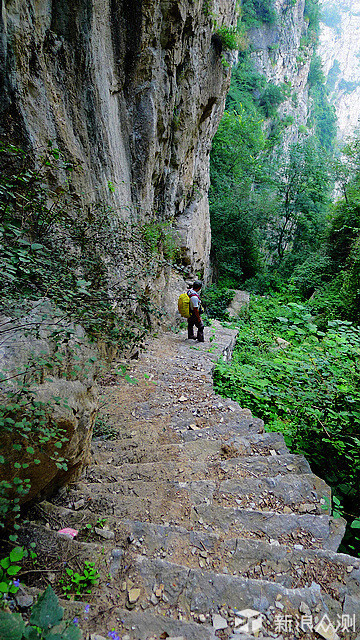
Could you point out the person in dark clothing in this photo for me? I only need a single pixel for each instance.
(195, 313)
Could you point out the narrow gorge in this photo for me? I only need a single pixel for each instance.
(137, 503)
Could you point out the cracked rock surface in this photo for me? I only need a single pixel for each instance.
(200, 523)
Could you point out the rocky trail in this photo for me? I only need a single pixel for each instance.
(201, 525)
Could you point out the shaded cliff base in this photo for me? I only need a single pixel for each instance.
(195, 513)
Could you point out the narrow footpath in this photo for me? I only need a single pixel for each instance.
(201, 525)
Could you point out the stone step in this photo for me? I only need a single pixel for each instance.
(243, 427)
(178, 471)
(304, 493)
(193, 592)
(133, 451)
(336, 573)
(161, 490)
(186, 469)
(141, 625)
(171, 505)
(252, 444)
(208, 413)
(214, 551)
(307, 529)
(202, 449)
(273, 465)
(238, 421)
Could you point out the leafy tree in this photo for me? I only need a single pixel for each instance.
(246, 85)
(301, 184)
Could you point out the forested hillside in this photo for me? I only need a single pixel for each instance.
(285, 215)
(275, 219)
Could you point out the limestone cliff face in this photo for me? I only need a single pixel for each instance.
(278, 54)
(339, 49)
(131, 91)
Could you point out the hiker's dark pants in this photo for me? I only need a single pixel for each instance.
(200, 327)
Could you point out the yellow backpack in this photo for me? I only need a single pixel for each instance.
(184, 305)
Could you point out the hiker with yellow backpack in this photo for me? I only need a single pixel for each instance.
(189, 305)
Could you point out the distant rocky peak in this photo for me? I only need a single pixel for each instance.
(339, 49)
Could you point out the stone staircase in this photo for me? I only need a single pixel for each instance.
(201, 525)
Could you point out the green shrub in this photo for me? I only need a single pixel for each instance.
(272, 97)
(231, 38)
(77, 585)
(310, 390)
(51, 245)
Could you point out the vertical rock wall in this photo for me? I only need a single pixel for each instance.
(278, 54)
(339, 49)
(131, 91)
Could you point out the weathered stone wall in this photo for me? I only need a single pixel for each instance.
(131, 91)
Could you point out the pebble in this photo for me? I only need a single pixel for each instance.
(307, 507)
(79, 504)
(104, 533)
(219, 622)
(133, 595)
(23, 599)
(159, 590)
